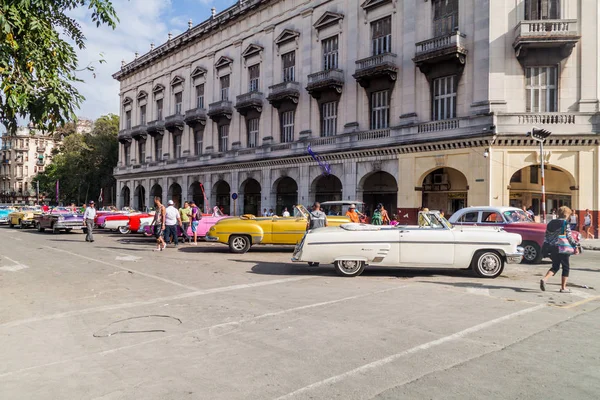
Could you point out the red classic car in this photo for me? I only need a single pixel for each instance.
(512, 220)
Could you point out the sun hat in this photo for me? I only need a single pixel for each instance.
(352, 206)
(170, 202)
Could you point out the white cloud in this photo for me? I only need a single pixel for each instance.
(142, 23)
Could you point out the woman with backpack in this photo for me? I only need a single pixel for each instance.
(561, 244)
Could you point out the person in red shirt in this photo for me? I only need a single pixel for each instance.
(45, 208)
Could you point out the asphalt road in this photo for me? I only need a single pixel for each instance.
(114, 320)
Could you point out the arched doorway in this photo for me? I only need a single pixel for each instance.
(156, 191)
(139, 198)
(175, 194)
(196, 194)
(445, 189)
(251, 190)
(380, 187)
(126, 197)
(327, 188)
(222, 192)
(526, 188)
(286, 190)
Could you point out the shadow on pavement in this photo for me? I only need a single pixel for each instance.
(273, 268)
(475, 285)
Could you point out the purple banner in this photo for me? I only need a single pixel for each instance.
(57, 191)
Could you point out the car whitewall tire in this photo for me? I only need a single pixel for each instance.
(124, 230)
(349, 268)
(488, 264)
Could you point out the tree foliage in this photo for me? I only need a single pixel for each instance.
(84, 164)
(38, 64)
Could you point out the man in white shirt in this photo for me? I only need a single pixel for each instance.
(172, 220)
(88, 221)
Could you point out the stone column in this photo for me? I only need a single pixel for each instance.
(304, 185)
(267, 193)
(349, 181)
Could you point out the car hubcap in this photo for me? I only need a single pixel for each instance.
(239, 243)
(529, 253)
(350, 266)
(489, 264)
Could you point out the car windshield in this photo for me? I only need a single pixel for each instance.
(433, 220)
(341, 207)
(513, 216)
(300, 211)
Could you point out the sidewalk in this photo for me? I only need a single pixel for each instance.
(590, 244)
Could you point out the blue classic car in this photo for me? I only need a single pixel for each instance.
(4, 211)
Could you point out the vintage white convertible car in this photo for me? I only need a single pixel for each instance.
(433, 243)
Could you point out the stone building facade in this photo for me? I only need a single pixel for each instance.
(23, 155)
(405, 102)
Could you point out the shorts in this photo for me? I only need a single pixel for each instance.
(194, 226)
(158, 232)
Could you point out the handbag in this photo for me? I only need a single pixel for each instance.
(563, 244)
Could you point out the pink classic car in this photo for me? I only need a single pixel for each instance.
(513, 220)
(207, 221)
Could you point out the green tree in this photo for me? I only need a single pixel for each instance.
(38, 65)
(84, 164)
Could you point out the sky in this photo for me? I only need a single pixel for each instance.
(141, 22)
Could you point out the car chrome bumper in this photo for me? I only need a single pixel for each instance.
(515, 258)
(3, 220)
(211, 238)
(68, 225)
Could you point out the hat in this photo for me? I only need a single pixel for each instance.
(192, 202)
(170, 202)
(91, 201)
(352, 206)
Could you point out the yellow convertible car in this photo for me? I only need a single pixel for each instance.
(240, 233)
(23, 217)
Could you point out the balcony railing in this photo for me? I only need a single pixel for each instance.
(559, 33)
(376, 61)
(444, 125)
(379, 66)
(249, 101)
(452, 40)
(220, 109)
(195, 116)
(174, 122)
(284, 91)
(41, 149)
(336, 75)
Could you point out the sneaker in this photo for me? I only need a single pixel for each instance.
(565, 290)
(542, 285)
(159, 249)
(194, 243)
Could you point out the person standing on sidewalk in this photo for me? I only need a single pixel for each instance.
(573, 221)
(88, 222)
(196, 216)
(554, 231)
(587, 225)
(185, 213)
(159, 224)
(172, 220)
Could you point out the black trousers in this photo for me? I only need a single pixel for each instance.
(558, 260)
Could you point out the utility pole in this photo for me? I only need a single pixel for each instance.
(37, 192)
(540, 136)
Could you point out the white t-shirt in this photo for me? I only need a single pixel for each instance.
(171, 216)
(286, 213)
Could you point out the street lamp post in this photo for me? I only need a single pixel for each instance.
(540, 136)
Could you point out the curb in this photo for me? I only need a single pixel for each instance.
(591, 248)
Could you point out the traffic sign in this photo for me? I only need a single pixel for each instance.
(234, 196)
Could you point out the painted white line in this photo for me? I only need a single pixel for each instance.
(209, 328)
(125, 269)
(13, 268)
(128, 258)
(154, 301)
(425, 346)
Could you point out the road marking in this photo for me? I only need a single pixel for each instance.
(154, 301)
(125, 269)
(479, 291)
(425, 346)
(12, 268)
(128, 258)
(208, 328)
(581, 302)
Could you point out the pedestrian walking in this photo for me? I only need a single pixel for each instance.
(88, 222)
(159, 224)
(286, 213)
(270, 213)
(573, 221)
(195, 217)
(265, 213)
(587, 225)
(377, 217)
(316, 218)
(561, 243)
(185, 213)
(385, 218)
(172, 221)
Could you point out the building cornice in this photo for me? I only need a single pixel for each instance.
(233, 13)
